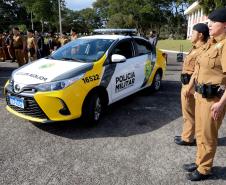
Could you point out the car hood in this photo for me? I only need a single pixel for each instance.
(48, 70)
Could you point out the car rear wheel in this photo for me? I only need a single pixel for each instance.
(93, 109)
(157, 81)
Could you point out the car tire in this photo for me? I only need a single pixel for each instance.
(157, 82)
(92, 110)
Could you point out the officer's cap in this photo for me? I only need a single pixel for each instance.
(218, 15)
(202, 28)
(16, 28)
(30, 30)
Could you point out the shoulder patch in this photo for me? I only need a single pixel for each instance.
(219, 46)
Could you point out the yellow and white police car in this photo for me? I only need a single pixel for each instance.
(84, 76)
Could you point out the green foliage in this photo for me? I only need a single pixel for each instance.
(144, 15)
(83, 21)
(11, 13)
(175, 45)
(43, 10)
(210, 5)
(22, 27)
(165, 16)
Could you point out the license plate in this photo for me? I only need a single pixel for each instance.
(18, 102)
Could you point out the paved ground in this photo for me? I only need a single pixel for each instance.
(132, 145)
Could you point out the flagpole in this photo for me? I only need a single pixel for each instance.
(60, 23)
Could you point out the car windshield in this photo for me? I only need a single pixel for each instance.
(83, 50)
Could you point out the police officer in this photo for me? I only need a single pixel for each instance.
(200, 35)
(9, 45)
(31, 46)
(64, 40)
(41, 47)
(18, 45)
(74, 35)
(210, 81)
(52, 42)
(153, 38)
(2, 44)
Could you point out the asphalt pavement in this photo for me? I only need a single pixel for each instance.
(132, 144)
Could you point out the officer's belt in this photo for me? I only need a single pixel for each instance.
(209, 91)
(185, 78)
(18, 47)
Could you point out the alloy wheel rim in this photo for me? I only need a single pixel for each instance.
(157, 81)
(97, 110)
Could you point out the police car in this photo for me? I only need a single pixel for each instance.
(81, 78)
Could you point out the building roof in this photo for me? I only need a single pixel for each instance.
(191, 8)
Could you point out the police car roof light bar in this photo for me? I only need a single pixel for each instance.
(116, 31)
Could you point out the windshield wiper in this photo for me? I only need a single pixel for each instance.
(73, 59)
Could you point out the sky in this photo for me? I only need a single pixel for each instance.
(78, 4)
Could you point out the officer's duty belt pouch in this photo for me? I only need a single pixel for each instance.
(209, 91)
(185, 78)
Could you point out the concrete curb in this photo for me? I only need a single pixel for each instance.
(171, 51)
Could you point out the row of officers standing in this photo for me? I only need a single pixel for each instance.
(23, 49)
(203, 95)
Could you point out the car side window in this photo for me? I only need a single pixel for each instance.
(143, 47)
(124, 48)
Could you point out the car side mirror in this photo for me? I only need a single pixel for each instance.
(115, 58)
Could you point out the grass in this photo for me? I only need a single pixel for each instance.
(174, 45)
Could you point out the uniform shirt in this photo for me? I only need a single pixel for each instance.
(63, 41)
(211, 65)
(74, 37)
(191, 58)
(17, 42)
(30, 42)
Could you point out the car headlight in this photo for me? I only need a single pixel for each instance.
(58, 85)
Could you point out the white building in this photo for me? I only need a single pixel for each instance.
(195, 15)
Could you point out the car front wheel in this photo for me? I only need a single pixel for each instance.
(93, 109)
(157, 82)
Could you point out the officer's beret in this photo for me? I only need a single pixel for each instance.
(202, 28)
(218, 15)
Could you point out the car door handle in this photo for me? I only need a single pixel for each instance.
(137, 66)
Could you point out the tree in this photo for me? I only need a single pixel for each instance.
(12, 13)
(210, 5)
(43, 10)
(141, 14)
(101, 8)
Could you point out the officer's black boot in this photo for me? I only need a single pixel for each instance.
(190, 167)
(197, 176)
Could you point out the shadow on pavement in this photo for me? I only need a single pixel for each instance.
(5, 73)
(222, 142)
(138, 114)
(218, 173)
